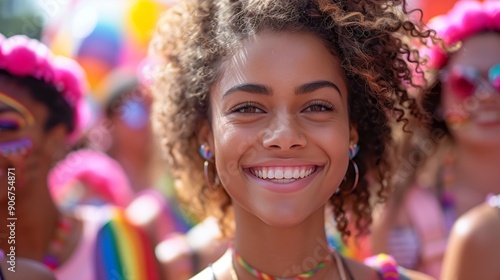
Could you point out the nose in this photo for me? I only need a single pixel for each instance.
(285, 134)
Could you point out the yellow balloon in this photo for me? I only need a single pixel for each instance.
(142, 18)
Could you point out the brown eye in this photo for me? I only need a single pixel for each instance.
(319, 106)
(316, 108)
(247, 108)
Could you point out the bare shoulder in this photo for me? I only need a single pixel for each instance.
(28, 269)
(478, 227)
(472, 251)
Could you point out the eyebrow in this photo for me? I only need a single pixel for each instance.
(250, 88)
(262, 89)
(313, 86)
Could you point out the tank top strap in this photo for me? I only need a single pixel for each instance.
(213, 271)
(342, 266)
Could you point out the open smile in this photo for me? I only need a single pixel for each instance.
(283, 179)
(282, 174)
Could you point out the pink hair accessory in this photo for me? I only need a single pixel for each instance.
(99, 172)
(465, 19)
(25, 57)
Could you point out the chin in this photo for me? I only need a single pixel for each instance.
(285, 217)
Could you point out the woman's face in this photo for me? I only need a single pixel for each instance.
(280, 128)
(470, 101)
(26, 147)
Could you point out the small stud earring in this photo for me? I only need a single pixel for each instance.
(205, 152)
(353, 151)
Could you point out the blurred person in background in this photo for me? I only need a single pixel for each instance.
(462, 147)
(42, 113)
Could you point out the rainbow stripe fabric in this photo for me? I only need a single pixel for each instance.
(357, 247)
(123, 251)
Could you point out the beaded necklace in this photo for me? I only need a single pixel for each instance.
(51, 259)
(264, 276)
(445, 182)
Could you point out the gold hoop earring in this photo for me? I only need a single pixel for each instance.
(216, 184)
(353, 151)
(207, 155)
(356, 175)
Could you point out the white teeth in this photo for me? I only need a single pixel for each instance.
(282, 173)
(278, 174)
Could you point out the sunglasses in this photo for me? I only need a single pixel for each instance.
(466, 81)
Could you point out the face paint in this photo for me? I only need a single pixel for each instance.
(16, 105)
(11, 124)
(16, 147)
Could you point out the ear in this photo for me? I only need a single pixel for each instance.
(353, 135)
(205, 134)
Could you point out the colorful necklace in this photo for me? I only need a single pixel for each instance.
(263, 276)
(446, 180)
(51, 259)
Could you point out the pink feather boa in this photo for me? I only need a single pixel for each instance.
(25, 57)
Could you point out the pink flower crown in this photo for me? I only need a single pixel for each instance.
(467, 18)
(25, 57)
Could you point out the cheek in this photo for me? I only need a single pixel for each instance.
(452, 104)
(230, 145)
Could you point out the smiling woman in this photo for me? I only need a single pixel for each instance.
(290, 121)
(288, 103)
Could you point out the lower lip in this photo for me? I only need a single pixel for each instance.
(290, 187)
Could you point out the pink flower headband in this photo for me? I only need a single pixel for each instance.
(25, 57)
(467, 18)
(101, 174)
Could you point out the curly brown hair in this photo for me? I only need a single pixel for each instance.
(194, 38)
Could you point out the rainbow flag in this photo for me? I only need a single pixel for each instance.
(123, 251)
